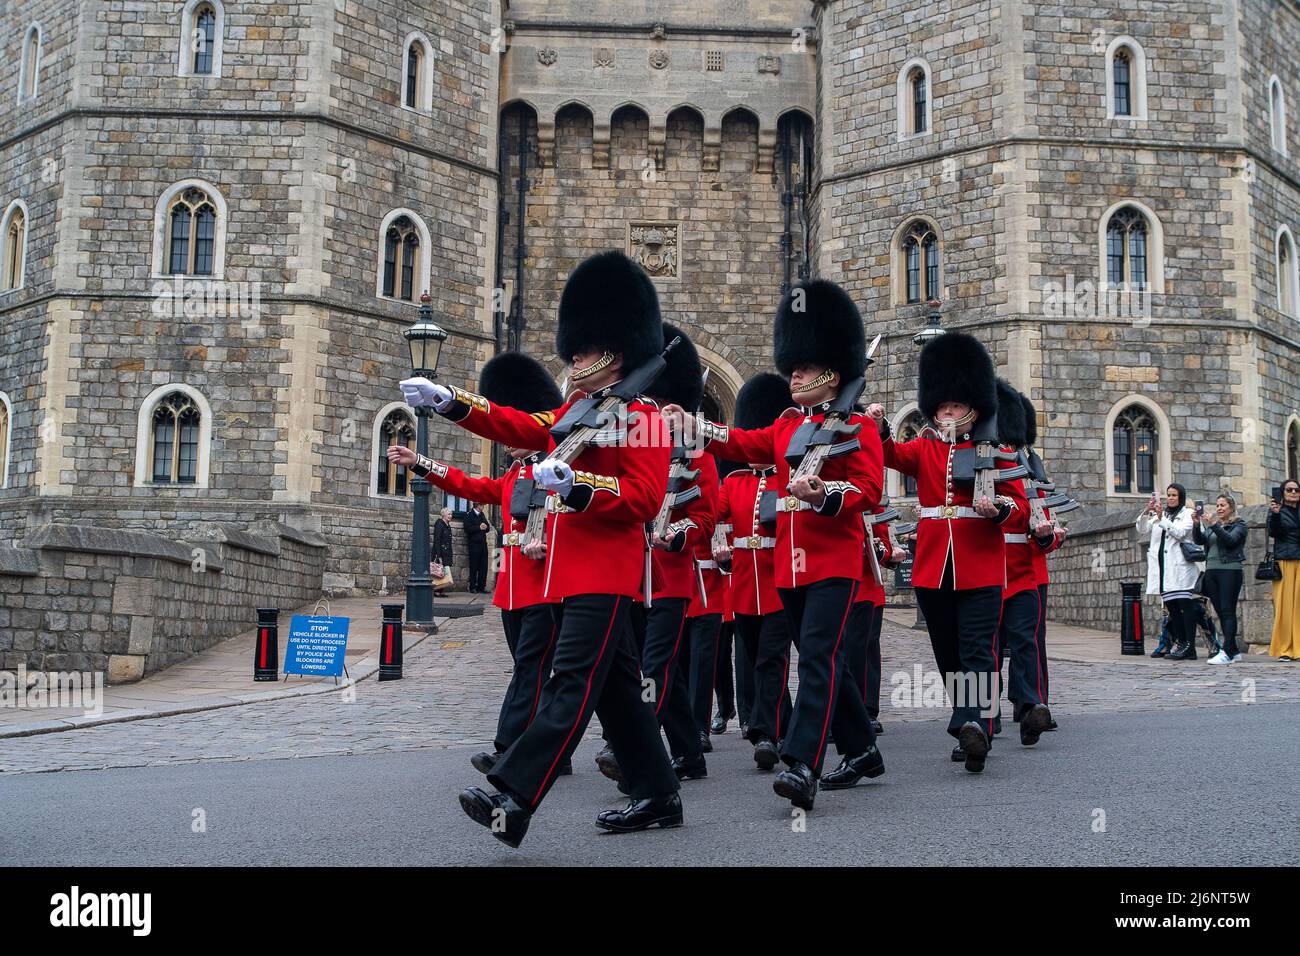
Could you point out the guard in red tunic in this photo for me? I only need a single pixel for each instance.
(1017, 632)
(960, 566)
(530, 619)
(685, 520)
(749, 552)
(819, 344)
(593, 554)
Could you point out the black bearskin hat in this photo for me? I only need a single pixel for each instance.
(682, 382)
(519, 381)
(818, 324)
(1011, 415)
(761, 401)
(609, 304)
(955, 368)
(1031, 420)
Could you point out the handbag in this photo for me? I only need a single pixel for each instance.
(440, 574)
(1268, 569)
(1192, 551)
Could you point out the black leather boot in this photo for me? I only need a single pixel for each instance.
(690, 768)
(1034, 723)
(505, 818)
(798, 784)
(607, 763)
(876, 727)
(974, 744)
(765, 753)
(642, 814)
(958, 755)
(706, 745)
(1183, 652)
(853, 769)
(483, 761)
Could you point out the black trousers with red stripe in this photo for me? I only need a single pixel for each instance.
(963, 629)
(1018, 642)
(662, 633)
(1042, 635)
(765, 640)
(829, 699)
(702, 666)
(864, 652)
(595, 669)
(724, 685)
(530, 633)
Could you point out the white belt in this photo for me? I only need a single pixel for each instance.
(753, 543)
(1016, 538)
(791, 503)
(948, 511)
(705, 564)
(513, 540)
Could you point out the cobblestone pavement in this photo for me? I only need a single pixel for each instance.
(452, 690)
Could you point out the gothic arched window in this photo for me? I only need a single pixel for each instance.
(175, 440)
(1126, 249)
(401, 258)
(13, 240)
(397, 429)
(921, 262)
(1134, 440)
(191, 234)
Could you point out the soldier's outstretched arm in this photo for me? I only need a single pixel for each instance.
(476, 414)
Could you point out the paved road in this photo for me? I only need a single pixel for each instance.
(1190, 764)
(1207, 786)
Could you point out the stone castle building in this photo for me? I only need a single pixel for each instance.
(219, 216)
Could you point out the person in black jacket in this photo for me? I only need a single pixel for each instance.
(1284, 529)
(1223, 535)
(476, 529)
(442, 539)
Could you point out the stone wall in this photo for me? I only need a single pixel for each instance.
(80, 598)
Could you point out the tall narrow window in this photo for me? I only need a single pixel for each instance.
(1277, 115)
(205, 35)
(1122, 69)
(921, 262)
(29, 77)
(414, 60)
(401, 259)
(191, 234)
(919, 96)
(175, 454)
(1133, 443)
(1288, 296)
(398, 429)
(15, 248)
(4, 443)
(1126, 249)
(1293, 451)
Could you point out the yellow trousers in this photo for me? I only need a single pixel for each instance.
(1286, 612)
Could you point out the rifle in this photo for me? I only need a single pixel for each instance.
(679, 473)
(814, 442)
(980, 462)
(579, 427)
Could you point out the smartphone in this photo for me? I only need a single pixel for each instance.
(1200, 507)
(1277, 493)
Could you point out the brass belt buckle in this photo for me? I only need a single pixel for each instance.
(791, 503)
(753, 541)
(949, 511)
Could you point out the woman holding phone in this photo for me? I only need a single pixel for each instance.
(1284, 529)
(1224, 536)
(1169, 573)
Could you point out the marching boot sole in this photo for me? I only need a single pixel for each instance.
(829, 784)
(976, 748)
(766, 759)
(481, 814)
(666, 822)
(610, 769)
(483, 763)
(792, 793)
(1035, 724)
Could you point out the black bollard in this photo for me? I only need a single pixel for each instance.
(390, 643)
(1130, 624)
(266, 652)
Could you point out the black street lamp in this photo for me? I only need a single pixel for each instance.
(425, 341)
(932, 328)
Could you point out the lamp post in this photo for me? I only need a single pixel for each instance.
(424, 339)
(928, 334)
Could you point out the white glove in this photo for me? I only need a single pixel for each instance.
(421, 391)
(554, 475)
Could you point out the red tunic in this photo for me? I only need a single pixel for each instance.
(812, 546)
(519, 582)
(873, 591)
(675, 572)
(1040, 553)
(717, 584)
(596, 536)
(1023, 548)
(753, 575)
(974, 545)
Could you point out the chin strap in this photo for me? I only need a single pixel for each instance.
(816, 383)
(593, 368)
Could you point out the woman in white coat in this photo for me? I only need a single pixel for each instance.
(1169, 573)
